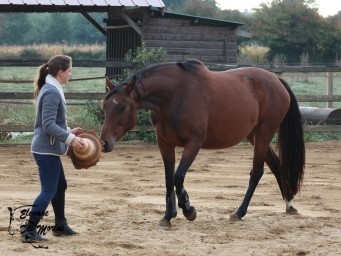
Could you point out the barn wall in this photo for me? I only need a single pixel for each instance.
(183, 40)
(180, 37)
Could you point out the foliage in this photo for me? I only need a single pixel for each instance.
(31, 53)
(143, 121)
(251, 54)
(38, 28)
(142, 56)
(206, 8)
(321, 136)
(20, 139)
(304, 59)
(94, 110)
(173, 5)
(16, 114)
(14, 25)
(291, 28)
(58, 29)
(287, 27)
(279, 60)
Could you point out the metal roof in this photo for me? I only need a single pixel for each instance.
(199, 19)
(116, 3)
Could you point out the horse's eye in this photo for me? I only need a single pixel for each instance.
(121, 107)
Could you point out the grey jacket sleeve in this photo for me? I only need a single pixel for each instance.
(53, 119)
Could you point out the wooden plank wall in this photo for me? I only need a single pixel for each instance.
(183, 40)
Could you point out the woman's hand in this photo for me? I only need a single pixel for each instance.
(76, 131)
(77, 143)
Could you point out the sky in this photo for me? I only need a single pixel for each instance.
(325, 7)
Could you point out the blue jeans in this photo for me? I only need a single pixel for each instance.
(53, 185)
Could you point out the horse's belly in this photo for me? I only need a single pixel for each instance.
(217, 140)
(228, 129)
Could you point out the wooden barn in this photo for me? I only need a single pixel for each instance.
(130, 23)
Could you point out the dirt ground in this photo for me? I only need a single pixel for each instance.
(116, 205)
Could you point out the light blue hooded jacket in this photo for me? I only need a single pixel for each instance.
(51, 133)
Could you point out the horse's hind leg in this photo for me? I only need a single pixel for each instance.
(272, 161)
(261, 144)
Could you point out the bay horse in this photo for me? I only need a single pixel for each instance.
(193, 107)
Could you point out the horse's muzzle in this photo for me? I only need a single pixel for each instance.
(106, 146)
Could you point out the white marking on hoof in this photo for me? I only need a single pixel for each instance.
(289, 204)
(290, 209)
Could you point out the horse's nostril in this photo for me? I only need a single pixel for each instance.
(104, 146)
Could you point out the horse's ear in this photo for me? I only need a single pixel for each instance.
(109, 84)
(130, 85)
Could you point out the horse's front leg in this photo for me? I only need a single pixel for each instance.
(168, 157)
(188, 156)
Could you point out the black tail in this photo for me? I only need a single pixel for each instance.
(291, 148)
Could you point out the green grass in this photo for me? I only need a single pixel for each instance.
(314, 85)
(30, 73)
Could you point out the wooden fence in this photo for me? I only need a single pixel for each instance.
(16, 97)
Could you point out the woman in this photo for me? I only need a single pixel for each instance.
(51, 140)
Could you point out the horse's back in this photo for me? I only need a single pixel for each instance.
(253, 84)
(239, 100)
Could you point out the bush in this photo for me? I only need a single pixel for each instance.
(46, 51)
(252, 54)
(143, 56)
(31, 53)
(143, 121)
(94, 109)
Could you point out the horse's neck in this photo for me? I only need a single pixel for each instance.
(153, 95)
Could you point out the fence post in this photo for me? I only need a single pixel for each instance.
(330, 89)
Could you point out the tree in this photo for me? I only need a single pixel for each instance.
(291, 28)
(58, 28)
(173, 4)
(205, 8)
(328, 46)
(83, 31)
(37, 34)
(14, 29)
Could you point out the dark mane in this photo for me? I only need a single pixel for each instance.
(190, 65)
(187, 65)
(116, 89)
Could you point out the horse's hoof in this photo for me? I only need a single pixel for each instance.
(165, 223)
(235, 217)
(191, 214)
(291, 210)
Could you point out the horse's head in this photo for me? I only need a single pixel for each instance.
(120, 112)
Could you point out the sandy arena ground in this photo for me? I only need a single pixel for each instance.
(116, 205)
